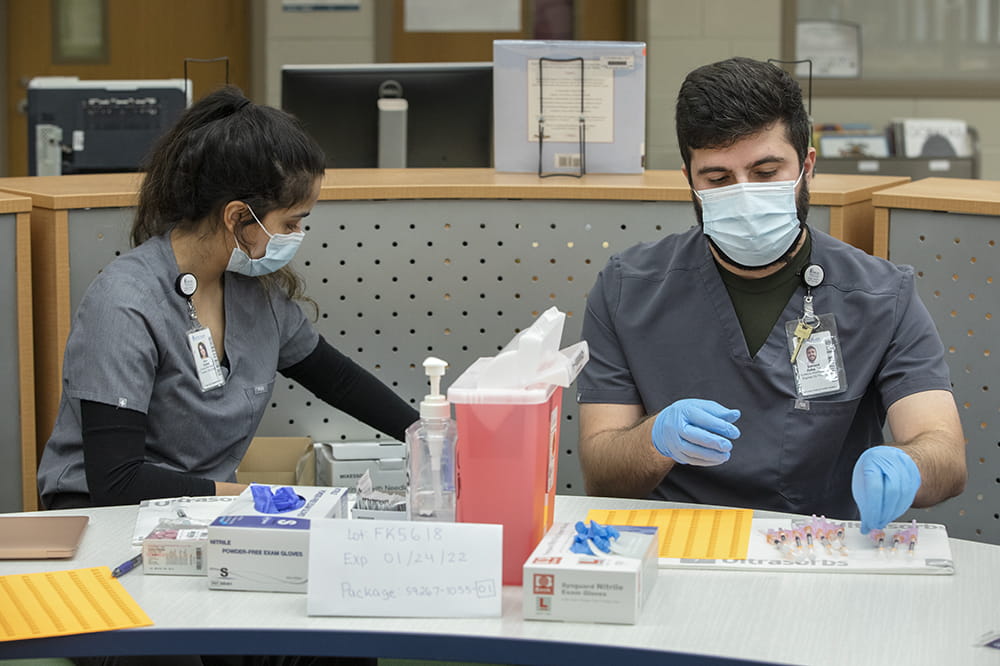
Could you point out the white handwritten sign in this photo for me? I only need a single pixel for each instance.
(388, 568)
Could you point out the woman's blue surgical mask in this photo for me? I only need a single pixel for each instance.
(280, 250)
(753, 224)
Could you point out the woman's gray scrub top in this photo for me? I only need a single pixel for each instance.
(128, 347)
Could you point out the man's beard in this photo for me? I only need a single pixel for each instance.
(801, 211)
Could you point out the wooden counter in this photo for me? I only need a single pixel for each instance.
(847, 196)
(80, 222)
(948, 230)
(110, 190)
(947, 195)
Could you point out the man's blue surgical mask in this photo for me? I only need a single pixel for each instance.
(279, 251)
(753, 224)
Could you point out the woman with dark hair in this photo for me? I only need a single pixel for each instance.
(220, 215)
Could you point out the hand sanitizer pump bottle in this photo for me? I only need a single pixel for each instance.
(431, 445)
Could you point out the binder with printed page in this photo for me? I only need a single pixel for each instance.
(569, 107)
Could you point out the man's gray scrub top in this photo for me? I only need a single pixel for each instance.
(128, 347)
(661, 327)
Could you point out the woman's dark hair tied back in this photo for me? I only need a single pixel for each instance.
(215, 154)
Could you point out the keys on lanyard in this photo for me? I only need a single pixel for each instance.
(802, 333)
(812, 276)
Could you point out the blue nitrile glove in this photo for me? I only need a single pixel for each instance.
(279, 501)
(884, 483)
(580, 546)
(598, 535)
(696, 432)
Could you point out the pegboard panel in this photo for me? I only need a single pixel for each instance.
(96, 237)
(397, 281)
(10, 391)
(956, 259)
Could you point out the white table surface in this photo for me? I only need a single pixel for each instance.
(692, 617)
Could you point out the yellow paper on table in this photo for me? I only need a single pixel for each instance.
(689, 533)
(60, 603)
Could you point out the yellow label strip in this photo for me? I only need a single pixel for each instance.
(60, 603)
(689, 533)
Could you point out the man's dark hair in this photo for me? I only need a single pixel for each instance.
(721, 103)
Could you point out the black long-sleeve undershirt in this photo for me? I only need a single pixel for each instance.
(114, 442)
(342, 383)
(114, 438)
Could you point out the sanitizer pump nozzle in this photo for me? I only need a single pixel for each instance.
(435, 405)
(431, 442)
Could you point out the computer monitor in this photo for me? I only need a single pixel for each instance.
(80, 126)
(446, 118)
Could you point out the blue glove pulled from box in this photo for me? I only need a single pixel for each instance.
(696, 432)
(278, 501)
(596, 535)
(884, 483)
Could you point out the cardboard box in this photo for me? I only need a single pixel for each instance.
(343, 463)
(571, 587)
(278, 460)
(178, 550)
(249, 550)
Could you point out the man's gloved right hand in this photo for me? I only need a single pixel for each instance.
(696, 432)
(884, 483)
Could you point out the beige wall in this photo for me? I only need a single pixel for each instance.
(298, 38)
(681, 35)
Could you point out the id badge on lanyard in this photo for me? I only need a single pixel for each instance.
(200, 343)
(814, 348)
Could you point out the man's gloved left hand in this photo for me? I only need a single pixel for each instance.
(884, 483)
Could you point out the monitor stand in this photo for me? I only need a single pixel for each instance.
(392, 132)
(48, 150)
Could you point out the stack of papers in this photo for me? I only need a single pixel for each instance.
(200, 510)
(931, 137)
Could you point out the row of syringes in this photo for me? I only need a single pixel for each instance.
(799, 543)
(906, 538)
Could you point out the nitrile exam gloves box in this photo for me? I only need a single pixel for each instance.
(249, 550)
